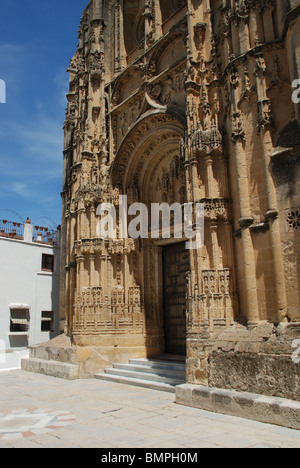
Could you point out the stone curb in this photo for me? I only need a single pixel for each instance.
(272, 410)
(52, 368)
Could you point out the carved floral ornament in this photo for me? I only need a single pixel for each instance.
(85, 247)
(215, 209)
(96, 64)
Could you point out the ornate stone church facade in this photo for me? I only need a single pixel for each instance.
(183, 102)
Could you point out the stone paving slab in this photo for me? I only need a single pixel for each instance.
(91, 413)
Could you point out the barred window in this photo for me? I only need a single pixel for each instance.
(47, 322)
(48, 262)
(19, 320)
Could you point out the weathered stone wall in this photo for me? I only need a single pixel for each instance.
(260, 361)
(286, 172)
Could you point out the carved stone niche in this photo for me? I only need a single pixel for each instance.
(216, 297)
(200, 30)
(264, 114)
(96, 65)
(238, 132)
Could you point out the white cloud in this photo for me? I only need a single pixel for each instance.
(35, 170)
(20, 188)
(31, 128)
(61, 80)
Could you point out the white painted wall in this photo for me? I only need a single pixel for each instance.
(23, 282)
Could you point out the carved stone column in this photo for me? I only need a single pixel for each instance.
(256, 27)
(119, 43)
(80, 273)
(72, 288)
(245, 221)
(92, 258)
(210, 175)
(235, 39)
(215, 245)
(264, 124)
(93, 221)
(244, 36)
(267, 13)
(293, 49)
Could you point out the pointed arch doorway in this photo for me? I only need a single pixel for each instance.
(149, 169)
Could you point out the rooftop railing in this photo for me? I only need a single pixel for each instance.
(11, 229)
(40, 234)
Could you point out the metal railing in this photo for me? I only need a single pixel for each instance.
(15, 230)
(12, 229)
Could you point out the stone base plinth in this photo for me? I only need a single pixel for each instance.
(272, 410)
(56, 369)
(66, 359)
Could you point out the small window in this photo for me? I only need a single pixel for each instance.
(48, 262)
(19, 321)
(47, 324)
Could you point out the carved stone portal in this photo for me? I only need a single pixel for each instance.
(181, 102)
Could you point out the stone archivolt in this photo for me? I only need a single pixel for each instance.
(182, 102)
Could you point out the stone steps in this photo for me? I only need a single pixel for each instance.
(156, 374)
(56, 358)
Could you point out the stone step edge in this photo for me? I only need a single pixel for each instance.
(60, 370)
(265, 409)
(147, 384)
(151, 370)
(159, 364)
(144, 376)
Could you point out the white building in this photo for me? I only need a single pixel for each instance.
(29, 285)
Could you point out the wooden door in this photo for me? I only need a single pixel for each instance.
(175, 266)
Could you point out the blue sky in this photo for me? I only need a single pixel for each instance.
(37, 40)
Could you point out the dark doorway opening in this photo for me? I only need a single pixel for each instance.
(176, 264)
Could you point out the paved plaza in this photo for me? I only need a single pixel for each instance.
(43, 412)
